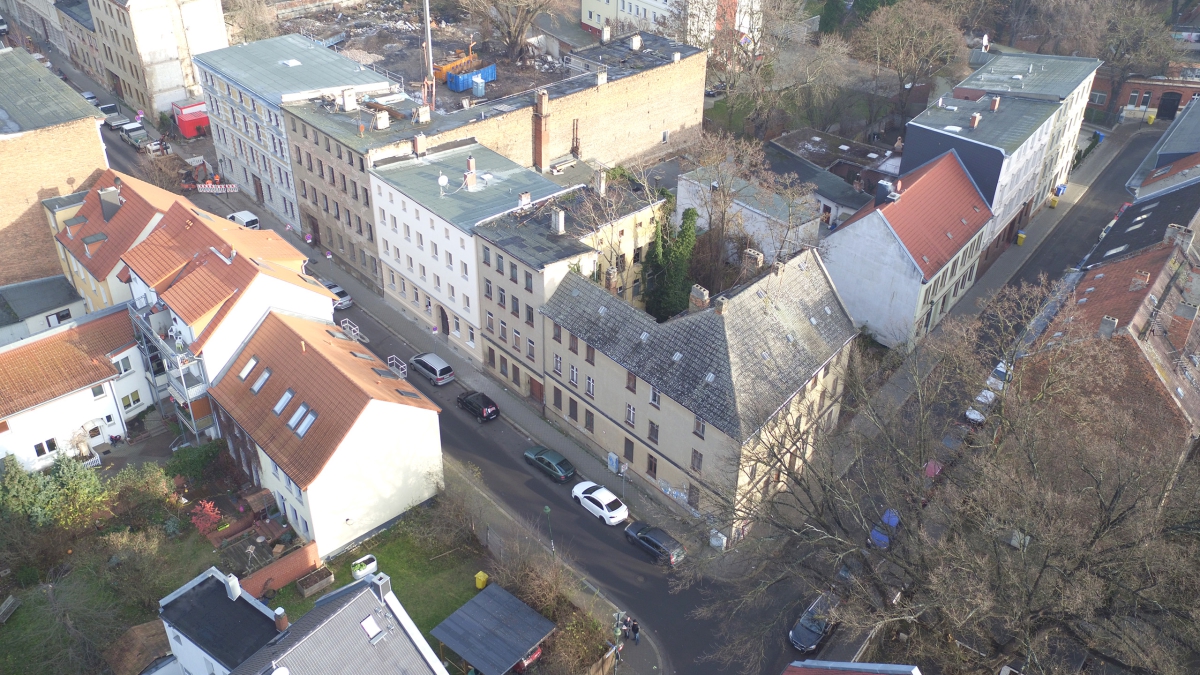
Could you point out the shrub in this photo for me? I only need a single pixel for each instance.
(135, 566)
(191, 462)
(27, 576)
(206, 516)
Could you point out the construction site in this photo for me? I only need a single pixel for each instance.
(390, 36)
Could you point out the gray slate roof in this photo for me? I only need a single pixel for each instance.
(493, 630)
(1007, 128)
(1042, 76)
(32, 97)
(23, 300)
(331, 640)
(829, 185)
(761, 342)
(1180, 139)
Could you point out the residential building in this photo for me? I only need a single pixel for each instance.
(214, 626)
(813, 667)
(838, 199)
(853, 162)
(245, 87)
(75, 17)
(49, 131)
(39, 20)
(93, 229)
(31, 307)
(200, 284)
(1014, 122)
(1148, 221)
(903, 262)
(688, 404)
(428, 208)
(342, 440)
(776, 225)
(1174, 159)
(1142, 96)
(559, 33)
(524, 255)
(67, 389)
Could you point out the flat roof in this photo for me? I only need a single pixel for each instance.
(78, 10)
(767, 202)
(825, 149)
(289, 65)
(497, 190)
(830, 186)
(230, 631)
(565, 28)
(1008, 128)
(26, 299)
(1032, 75)
(34, 98)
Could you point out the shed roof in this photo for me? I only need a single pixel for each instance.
(26, 299)
(33, 98)
(493, 630)
(1032, 75)
(1008, 128)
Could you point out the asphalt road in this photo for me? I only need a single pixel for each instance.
(1079, 230)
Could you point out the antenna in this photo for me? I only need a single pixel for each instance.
(442, 183)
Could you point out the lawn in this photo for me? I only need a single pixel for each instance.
(430, 584)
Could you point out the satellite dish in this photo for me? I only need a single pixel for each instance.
(443, 181)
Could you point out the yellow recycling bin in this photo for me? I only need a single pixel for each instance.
(1150, 119)
(1020, 237)
(481, 580)
(1054, 202)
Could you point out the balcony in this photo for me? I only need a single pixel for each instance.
(154, 329)
(196, 426)
(190, 388)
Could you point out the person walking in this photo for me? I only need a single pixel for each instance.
(625, 627)
(636, 630)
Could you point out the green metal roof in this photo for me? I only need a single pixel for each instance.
(1007, 128)
(31, 97)
(1032, 75)
(497, 190)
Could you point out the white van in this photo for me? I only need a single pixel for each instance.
(245, 219)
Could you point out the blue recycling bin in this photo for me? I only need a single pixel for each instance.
(1099, 137)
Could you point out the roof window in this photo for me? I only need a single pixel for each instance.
(248, 367)
(283, 401)
(365, 357)
(371, 627)
(262, 379)
(385, 373)
(298, 415)
(407, 394)
(338, 334)
(306, 424)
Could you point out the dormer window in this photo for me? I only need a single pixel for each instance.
(262, 379)
(246, 369)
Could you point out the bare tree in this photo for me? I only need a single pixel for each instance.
(971, 14)
(163, 172)
(250, 20)
(1077, 23)
(511, 19)
(72, 620)
(1134, 41)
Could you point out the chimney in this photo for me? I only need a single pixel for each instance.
(601, 75)
(232, 587)
(382, 120)
(523, 200)
(419, 144)
(281, 620)
(349, 102)
(975, 117)
(420, 114)
(610, 280)
(899, 146)
(1177, 233)
(698, 300)
(995, 103)
(600, 182)
(675, 56)
(110, 201)
(719, 306)
(471, 163)
(381, 585)
(752, 261)
(558, 221)
(882, 189)
(635, 42)
(605, 35)
(469, 176)
(1108, 326)
(541, 130)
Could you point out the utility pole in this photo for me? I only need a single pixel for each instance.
(547, 510)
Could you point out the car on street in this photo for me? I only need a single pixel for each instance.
(814, 624)
(246, 219)
(432, 367)
(478, 404)
(653, 540)
(1000, 376)
(136, 135)
(90, 97)
(600, 502)
(115, 121)
(344, 301)
(550, 462)
(3, 26)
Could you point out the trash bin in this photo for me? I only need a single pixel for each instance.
(481, 580)
(1099, 137)
(1149, 119)
(1020, 237)
(1054, 202)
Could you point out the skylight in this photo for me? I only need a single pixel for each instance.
(365, 357)
(385, 373)
(283, 401)
(248, 367)
(262, 379)
(298, 415)
(306, 424)
(408, 394)
(371, 627)
(338, 334)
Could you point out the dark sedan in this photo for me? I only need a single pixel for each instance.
(660, 545)
(559, 468)
(814, 624)
(478, 404)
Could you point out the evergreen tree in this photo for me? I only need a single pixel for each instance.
(832, 16)
(78, 492)
(677, 281)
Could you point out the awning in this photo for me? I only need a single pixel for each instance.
(493, 631)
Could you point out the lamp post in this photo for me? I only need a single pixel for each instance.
(551, 530)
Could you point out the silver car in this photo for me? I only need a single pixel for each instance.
(344, 301)
(433, 367)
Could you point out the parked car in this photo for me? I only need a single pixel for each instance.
(246, 219)
(662, 546)
(559, 468)
(136, 135)
(882, 533)
(433, 367)
(115, 121)
(90, 97)
(479, 404)
(3, 26)
(107, 109)
(344, 301)
(814, 624)
(601, 502)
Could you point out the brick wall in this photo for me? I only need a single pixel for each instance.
(283, 571)
(37, 165)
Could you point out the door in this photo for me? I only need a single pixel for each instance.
(444, 319)
(315, 231)
(536, 391)
(258, 191)
(1168, 105)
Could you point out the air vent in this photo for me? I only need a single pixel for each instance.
(828, 311)
(790, 339)
(765, 356)
(290, 63)
(677, 356)
(645, 336)
(812, 320)
(709, 378)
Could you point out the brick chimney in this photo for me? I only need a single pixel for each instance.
(698, 300)
(995, 103)
(975, 119)
(469, 176)
(610, 280)
(541, 130)
(752, 261)
(281, 620)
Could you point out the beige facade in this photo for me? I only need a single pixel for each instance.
(80, 34)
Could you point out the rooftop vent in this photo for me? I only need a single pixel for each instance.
(812, 320)
(524, 199)
(828, 311)
(1018, 77)
(635, 42)
(558, 221)
(603, 310)
(645, 336)
(289, 63)
(790, 339)
(843, 148)
(677, 356)
(709, 378)
(952, 129)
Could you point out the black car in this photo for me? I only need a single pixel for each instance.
(662, 546)
(478, 404)
(814, 624)
(559, 468)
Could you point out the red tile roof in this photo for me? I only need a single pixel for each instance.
(62, 361)
(323, 372)
(142, 202)
(937, 199)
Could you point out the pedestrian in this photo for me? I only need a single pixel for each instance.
(636, 630)
(625, 627)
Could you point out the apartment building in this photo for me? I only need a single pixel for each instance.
(40, 112)
(694, 406)
(200, 284)
(904, 261)
(38, 19)
(245, 87)
(83, 47)
(344, 444)
(524, 255)
(35, 306)
(428, 209)
(93, 229)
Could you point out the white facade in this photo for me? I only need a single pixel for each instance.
(100, 409)
(41, 322)
(1019, 180)
(40, 17)
(429, 267)
(1064, 137)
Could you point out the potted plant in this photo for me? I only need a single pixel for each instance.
(364, 567)
(315, 582)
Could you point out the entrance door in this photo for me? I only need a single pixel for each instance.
(258, 191)
(1168, 105)
(445, 320)
(536, 391)
(315, 231)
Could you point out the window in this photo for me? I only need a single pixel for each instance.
(262, 379)
(504, 331)
(490, 325)
(516, 307)
(1145, 99)
(654, 397)
(98, 391)
(516, 375)
(629, 449)
(529, 314)
(653, 434)
(651, 466)
(51, 445)
(487, 289)
(132, 399)
(591, 355)
(487, 256)
(558, 398)
(557, 364)
(503, 366)
(500, 263)
(698, 427)
(558, 333)
(1133, 98)
(512, 272)
(630, 414)
(464, 269)
(573, 344)
(1098, 97)
(573, 409)
(630, 381)
(529, 349)
(697, 460)
(574, 375)
(283, 401)
(589, 420)
(248, 367)
(306, 424)
(589, 387)
(501, 298)
(529, 281)
(298, 415)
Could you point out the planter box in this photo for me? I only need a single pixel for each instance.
(371, 566)
(315, 582)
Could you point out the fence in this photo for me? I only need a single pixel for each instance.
(283, 571)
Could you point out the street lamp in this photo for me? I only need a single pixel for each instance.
(547, 510)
